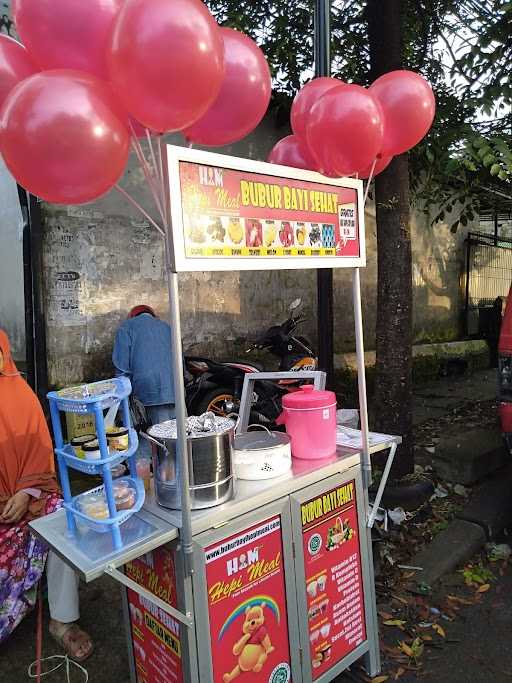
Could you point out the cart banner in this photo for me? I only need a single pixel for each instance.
(155, 634)
(247, 606)
(226, 215)
(334, 587)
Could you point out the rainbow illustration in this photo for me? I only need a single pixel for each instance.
(251, 602)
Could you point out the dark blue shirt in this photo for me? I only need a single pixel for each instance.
(142, 352)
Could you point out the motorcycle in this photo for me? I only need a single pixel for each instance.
(217, 387)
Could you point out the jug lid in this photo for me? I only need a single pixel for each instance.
(309, 397)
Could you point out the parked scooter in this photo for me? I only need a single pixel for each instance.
(217, 387)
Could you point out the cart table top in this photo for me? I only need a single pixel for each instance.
(250, 495)
(154, 526)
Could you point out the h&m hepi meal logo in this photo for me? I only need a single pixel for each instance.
(244, 560)
(212, 177)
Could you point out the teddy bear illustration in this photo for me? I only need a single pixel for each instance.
(254, 646)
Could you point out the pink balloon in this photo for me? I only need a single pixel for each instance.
(166, 61)
(15, 65)
(243, 98)
(345, 130)
(409, 107)
(60, 137)
(381, 165)
(67, 34)
(292, 151)
(306, 98)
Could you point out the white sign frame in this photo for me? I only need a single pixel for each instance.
(181, 263)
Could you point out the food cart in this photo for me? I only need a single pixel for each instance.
(276, 583)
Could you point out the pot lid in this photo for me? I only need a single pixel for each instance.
(259, 441)
(197, 427)
(309, 397)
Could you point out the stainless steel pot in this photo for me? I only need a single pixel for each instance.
(210, 463)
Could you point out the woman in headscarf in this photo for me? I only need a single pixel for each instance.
(29, 489)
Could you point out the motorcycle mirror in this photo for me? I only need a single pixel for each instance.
(295, 304)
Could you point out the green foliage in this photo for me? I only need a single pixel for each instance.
(463, 48)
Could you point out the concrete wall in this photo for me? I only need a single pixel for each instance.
(12, 306)
(102, 259)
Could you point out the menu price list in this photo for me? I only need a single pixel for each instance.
(333, 577)
(347, 612)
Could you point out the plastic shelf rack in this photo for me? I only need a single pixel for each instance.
(94, 399)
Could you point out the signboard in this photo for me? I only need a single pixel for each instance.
(237, 214)
(247, 606)
(155, 634)
(334, 586)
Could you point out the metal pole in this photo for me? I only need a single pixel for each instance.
(468, 270)
(361, 377)
(324, 276)
(179, 388)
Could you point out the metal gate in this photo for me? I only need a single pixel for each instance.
(488, 276)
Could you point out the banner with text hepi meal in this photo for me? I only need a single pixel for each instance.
(155, 634)
(238, 214)
(334, 587)
(247, 606)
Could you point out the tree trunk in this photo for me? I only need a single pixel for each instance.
(393, 389)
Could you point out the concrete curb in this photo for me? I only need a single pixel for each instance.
(488, 513)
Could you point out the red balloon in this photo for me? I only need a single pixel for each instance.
(306, 98)
(60, 137)
(166, 61)
(381, 165)
(15, 65)
(67, 34)
(409, 106)
(243, 98)
(292, 151)
(345, 130)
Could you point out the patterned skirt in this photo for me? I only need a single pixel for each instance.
(22, 561)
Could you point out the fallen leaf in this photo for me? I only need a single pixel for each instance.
(380, 679)
(439, 630)
(427, 639)
(417, 647)
(484, 588)
(386, 615)
(398, 598)
(461, 601)
(406, 649)
(399, 623)
(399, 673)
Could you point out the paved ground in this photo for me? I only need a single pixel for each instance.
(478, 645)
(436, 398)
(478, 651)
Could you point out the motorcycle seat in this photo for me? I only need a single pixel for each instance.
(245, 366)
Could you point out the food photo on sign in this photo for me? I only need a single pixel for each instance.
(334, 588)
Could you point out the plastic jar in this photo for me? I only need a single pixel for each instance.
(79, 442)
(124, 494)
(117, 438)
(92, 450)
(94, 506)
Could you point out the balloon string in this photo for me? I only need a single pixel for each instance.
(370, 178)
(153, 158)
(162, 180)
(154, 188)
(136, 204)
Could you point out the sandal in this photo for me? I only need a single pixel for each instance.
(73, 640)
